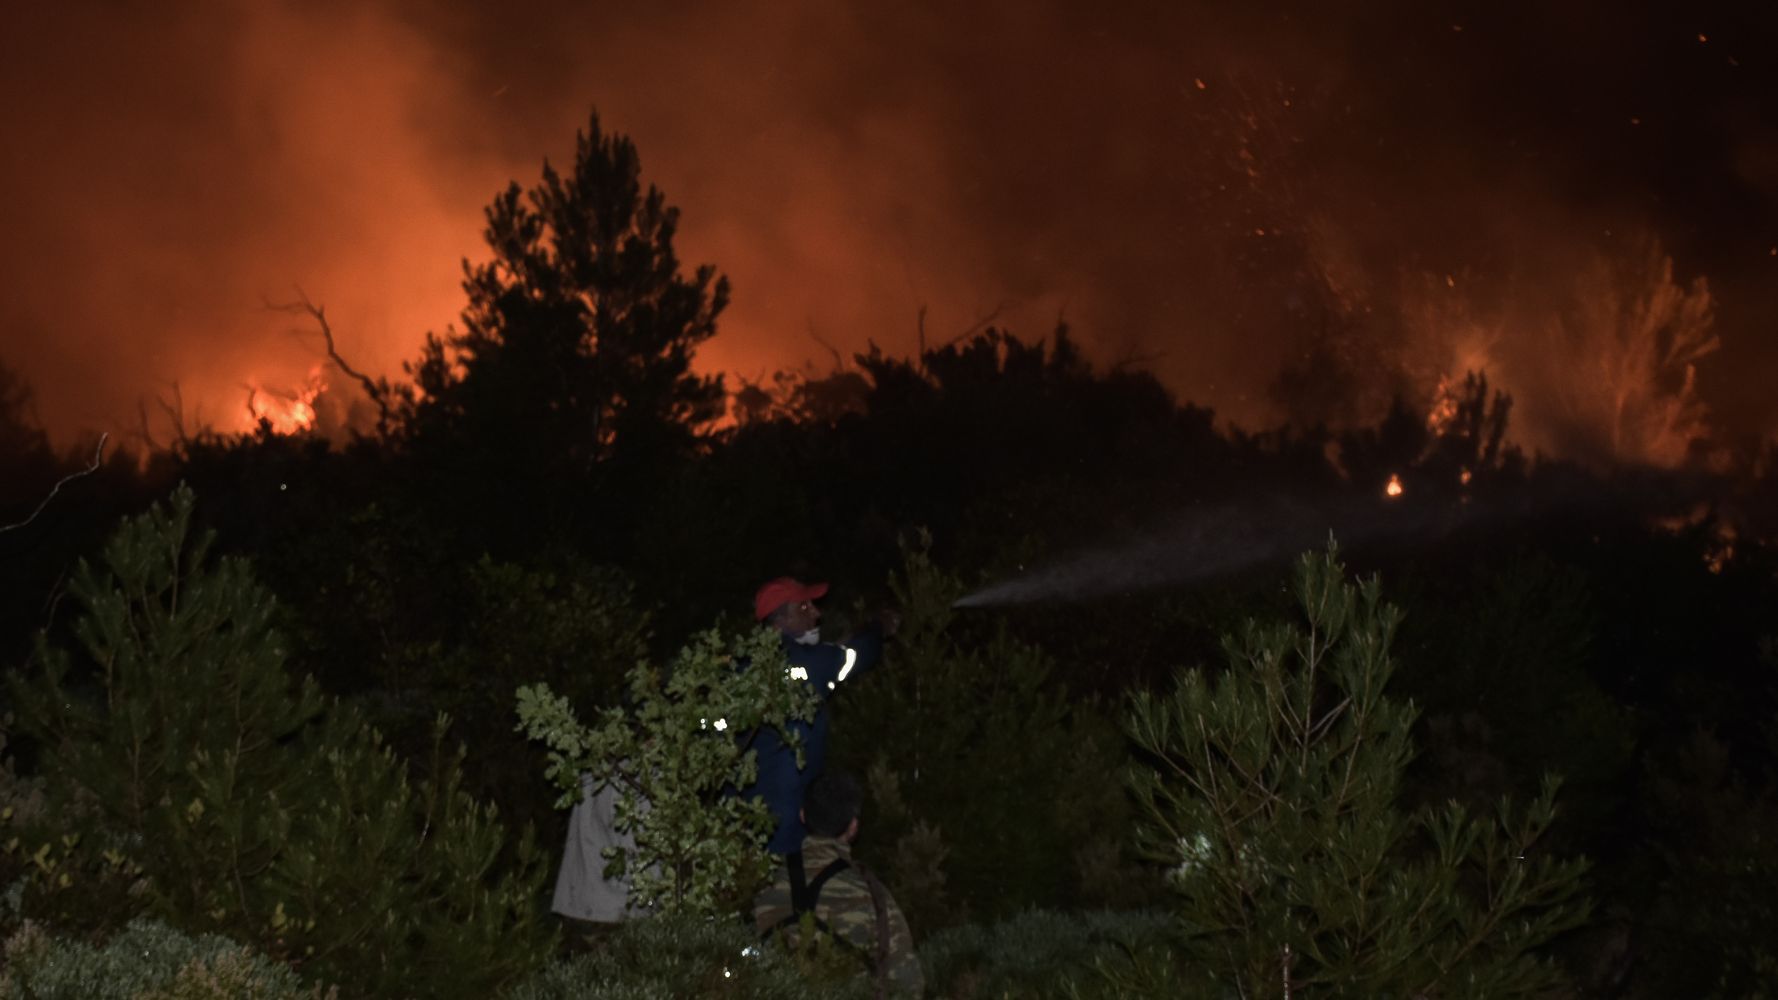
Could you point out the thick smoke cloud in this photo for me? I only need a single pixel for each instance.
(1362, 203)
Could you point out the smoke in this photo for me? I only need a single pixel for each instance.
(1222, 194)
(187, 163)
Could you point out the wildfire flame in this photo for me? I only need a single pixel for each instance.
(1603, 367)
(290, 411)
(1393, 488)
(1444, 406)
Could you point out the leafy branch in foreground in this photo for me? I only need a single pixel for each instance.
(676, 755)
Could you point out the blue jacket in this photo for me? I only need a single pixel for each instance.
(826, 668)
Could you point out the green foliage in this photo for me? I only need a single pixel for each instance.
(819, 956)
(1031, 954)
(987, 780)
(147, 960)
(78, 883)
(1270, 795)
(1500, 666)
(583, 627)
(21, 807)
(667, 957)
(672, 753)
(577, 629)
(1717, 899)
(246, 804)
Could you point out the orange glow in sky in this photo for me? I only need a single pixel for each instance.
(1188, 191)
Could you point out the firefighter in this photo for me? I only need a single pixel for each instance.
(788, 605)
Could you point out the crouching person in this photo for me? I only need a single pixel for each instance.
(821, 887)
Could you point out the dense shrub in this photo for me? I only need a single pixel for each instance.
(182, 753)
(668, 957)
(147, 960)
(576, 628)
(1715, 902)
(1033, 954)
(987, 780)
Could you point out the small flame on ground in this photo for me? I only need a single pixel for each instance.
(1393, 488)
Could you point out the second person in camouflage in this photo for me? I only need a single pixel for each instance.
(842, 898)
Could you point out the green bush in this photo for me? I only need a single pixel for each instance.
(1481, 648)
(672, 755)
(988, 790)
(1715, 900)
(147, 960)
(1032, 954)
(670, 957)
(241, 801)
(21, 806)
(492, 626)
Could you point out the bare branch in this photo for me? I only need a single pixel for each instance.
(175, 412)
(375, 391)
(143, 431)
(839, 363)
(976, 327)
(98, 459)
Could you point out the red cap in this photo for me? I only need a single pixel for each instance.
(777, 593)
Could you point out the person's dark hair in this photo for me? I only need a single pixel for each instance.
(831, 803)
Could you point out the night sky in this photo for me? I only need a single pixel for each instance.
(1374, 201)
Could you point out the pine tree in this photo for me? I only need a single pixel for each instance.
(1270, 792)
(249, 804)
(572, 373)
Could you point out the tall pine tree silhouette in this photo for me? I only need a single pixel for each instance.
(569, 388)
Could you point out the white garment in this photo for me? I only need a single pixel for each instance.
(582, 890)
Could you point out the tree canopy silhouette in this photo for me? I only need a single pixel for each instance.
(570, 381)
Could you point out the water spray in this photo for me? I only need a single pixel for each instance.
(1200, 544)
(1215, 541)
